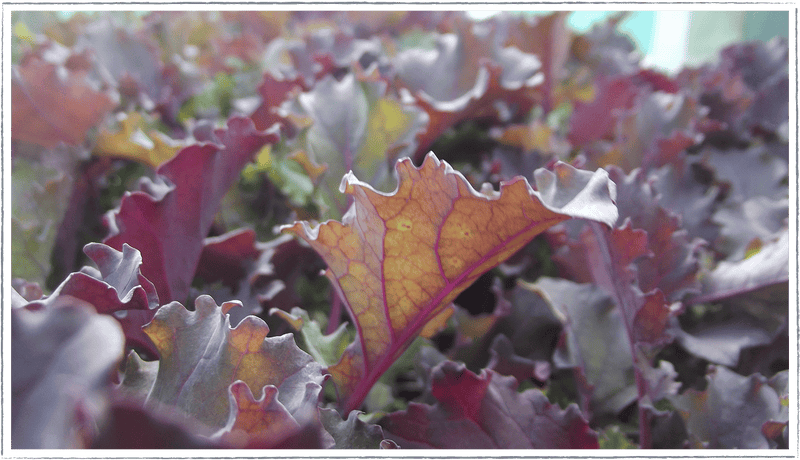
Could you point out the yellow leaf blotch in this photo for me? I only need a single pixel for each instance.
(253, 369)
(247, 338)
(213, 356)
(347, 371)
(311, 168)
(130, 141)
(162, 337)
(263, 418)
(329, 235)
(246, 354)
(295, 322)
(386, 125)
(263, 162)
(401, 223)
(419, 247)
(753, 247)
(22, 32)
(358, 299)
(536, 136)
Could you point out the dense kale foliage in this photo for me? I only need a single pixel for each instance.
(594, 255)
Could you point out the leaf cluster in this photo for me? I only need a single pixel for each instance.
(579, 252)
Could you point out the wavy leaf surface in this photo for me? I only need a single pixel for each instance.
(168, 219)
(115, 287)
(201, 356)
(398, 260)
(132, 142)
(356, 126)
(485, 412)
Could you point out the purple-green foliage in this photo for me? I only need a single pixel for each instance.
(649, 330)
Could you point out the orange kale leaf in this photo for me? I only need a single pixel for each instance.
(398, 260)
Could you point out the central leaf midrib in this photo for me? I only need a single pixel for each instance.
(397, 346)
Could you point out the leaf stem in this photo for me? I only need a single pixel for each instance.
(627, 303)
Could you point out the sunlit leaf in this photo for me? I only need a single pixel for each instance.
(398, 260)
(132, 142)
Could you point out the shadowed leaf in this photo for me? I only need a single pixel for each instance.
(117, 287)
(594, 343)
(353, 433)
(730, 413)
(201, 356)
(168, 219)
(485, 412)
(62, 357)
